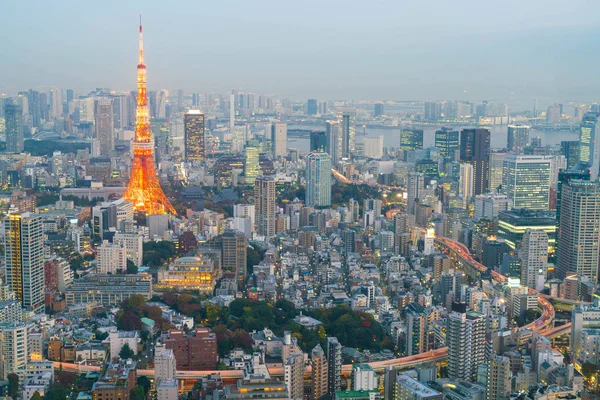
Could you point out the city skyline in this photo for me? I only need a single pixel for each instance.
(547, 43)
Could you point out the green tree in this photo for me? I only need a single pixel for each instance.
(126, 352)
(131, 268)
(36, 396)
(56, 392)
(144, 383)
(13, 385)
(588, 370)
(137, 393)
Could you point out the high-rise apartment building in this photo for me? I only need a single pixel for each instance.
(415, 189)
(465, 338)
(195, 142)
(526, 181)
(319, 371)
(13, 124)
(293, 372)
(24, 259)
(465, 183)
(363, 377)
(517, 138)
(447, 141)
(411, 139)
(579, 229)
(498, 379)
(475, 150)
(56, 103)
(333, 129)
(14, 345)
(165, 364)
(318, 179)
(235, 248)
(104, 125)
(416, 329)
(589, 142)
(534, 257)
(264, 201)
(279, 139)
(112, 258)
(334, 362)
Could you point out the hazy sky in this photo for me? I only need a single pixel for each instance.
(399, 49)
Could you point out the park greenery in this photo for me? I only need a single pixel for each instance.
(158, 253)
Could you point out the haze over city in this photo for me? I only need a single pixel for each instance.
(511, 51)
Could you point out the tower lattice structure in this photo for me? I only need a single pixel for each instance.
(144, 190)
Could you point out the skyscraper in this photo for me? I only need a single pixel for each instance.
(517, 138)
(465, 183)
(334, 361)
(312, 107)
(475, 149)
(570, 149)
(526, 181)
(279, 139)
(411, 139)
(378, 110)
(105, 125)
(415, 188)
(144, 190)
(465, 338)
(348, 133)
(496, 167)
(319, 142)
(589, 142)
(195, 145)
(232, 111)
(319, 371)
(24, 259)
(252, 164)
(264, 200)
(235, 248)
(334, 133)
(534, 257)
(498, 378)
(318, 179)
(447, 141)
(56, 106)
(579, 229)
(579, 171)
(13, 119)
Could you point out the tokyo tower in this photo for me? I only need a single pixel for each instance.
(144, 190)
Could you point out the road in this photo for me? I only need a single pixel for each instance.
(340, 177)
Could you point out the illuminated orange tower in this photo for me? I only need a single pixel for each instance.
(144, 190)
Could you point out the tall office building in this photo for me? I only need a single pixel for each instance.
(13, 121)
(446, 140)
(579, 229)
(279, 139)
(348, 133)
(496, 167)
(312, 106)
(252, 164)
(319, 141)
(589, 142)
(319, 371)
(334, 134)
(378, 110)
(293, 372)
(517, 138)
(579, 171)
(105, 125)
(465, 338)
(415, 189)
(318, 179)
(193, 130)
(534, 257)
(264, 200)
(475, 150)
(373, 147)
(235, 248)
(411, 139)
(56, 103)
(570, 149)
(24, 259)
(498, 379)
(465, 183)
(526, 181)
(334, 362)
